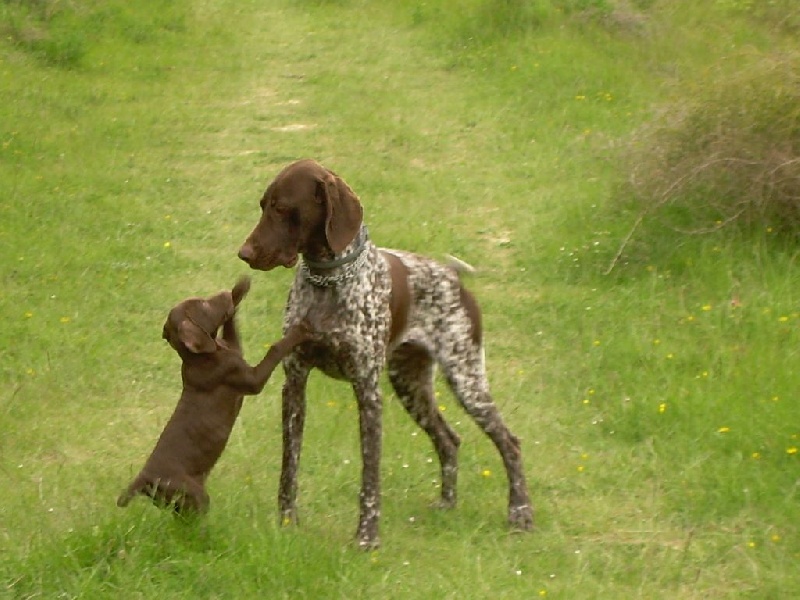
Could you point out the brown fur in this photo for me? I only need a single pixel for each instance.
(215, 379)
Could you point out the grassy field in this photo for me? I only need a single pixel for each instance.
(656, 400)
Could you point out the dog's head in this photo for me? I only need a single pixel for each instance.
(307, 209)
(193, 324)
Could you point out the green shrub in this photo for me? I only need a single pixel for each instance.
(727, 150)
(483, 21)
(44, 29)
(62, 34)
(781, 15)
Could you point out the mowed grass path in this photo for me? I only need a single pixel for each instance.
(656, 404)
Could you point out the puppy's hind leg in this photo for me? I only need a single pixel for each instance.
(136, 488)
(191, 498)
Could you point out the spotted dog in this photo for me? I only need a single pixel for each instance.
(386, 307)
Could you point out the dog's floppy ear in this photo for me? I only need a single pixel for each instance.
(344, 211)
(195, 339)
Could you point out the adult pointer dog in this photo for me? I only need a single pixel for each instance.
(384, 307)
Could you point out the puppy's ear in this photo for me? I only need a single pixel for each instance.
(195, 339)
(344, 211)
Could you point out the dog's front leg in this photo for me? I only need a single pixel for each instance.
(293, 416)
(370, 411)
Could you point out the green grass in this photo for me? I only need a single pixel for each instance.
(656, 404)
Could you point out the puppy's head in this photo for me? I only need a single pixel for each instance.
(193, 324)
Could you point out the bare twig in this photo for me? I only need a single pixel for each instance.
(624, 243)
(668, 194)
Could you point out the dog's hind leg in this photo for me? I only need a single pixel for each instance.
(411, 370)
(466, 376)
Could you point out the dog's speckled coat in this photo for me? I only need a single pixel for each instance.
(383, 307)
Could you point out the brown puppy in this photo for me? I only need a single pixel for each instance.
(215, 379)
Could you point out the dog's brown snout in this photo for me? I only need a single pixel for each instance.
(246, 253)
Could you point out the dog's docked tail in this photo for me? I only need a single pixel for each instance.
(458, 265)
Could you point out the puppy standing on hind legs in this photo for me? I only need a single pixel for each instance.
(215, 379)
(383, 306)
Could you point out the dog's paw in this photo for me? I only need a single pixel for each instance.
(520, 518)
(367, 543)
(367, 536)
(288, 518)
(444, 504)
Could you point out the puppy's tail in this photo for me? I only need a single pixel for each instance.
(240, 290)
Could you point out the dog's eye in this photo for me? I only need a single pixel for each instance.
(265, 201)
(280, 209)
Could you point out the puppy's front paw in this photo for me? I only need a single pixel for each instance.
(299, 332)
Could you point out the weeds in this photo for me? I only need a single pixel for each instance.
(62, 34)
(725, 152)
(487, 22)
(42, 28)
(783, 15)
